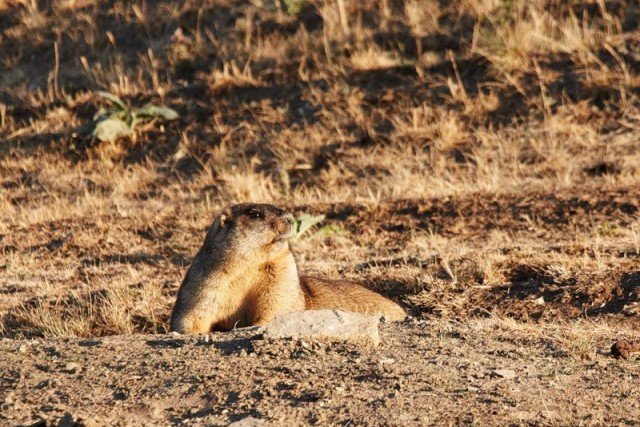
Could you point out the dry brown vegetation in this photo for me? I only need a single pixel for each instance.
(473, 158)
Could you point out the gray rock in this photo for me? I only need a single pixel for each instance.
(248, 422)
(334, 325)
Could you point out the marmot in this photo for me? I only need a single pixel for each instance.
(245, 274)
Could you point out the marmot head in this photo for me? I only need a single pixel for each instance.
(253, 231)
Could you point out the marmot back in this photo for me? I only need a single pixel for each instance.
(245, 274)
(348, 296)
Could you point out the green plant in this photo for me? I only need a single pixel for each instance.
(303, 223)
(119, 120)
(332, 230)
(293, 7)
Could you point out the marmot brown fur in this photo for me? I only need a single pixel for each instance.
(245, 274)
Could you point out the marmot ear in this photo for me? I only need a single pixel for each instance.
(216, 226)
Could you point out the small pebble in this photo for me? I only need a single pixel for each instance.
(508, 374)
(71, 367)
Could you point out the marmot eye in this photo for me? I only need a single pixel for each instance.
(255, 214)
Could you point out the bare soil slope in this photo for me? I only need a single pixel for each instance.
(423, 373)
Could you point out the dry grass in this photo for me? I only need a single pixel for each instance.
(481, 111)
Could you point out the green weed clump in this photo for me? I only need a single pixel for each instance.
(119, 120)
(303, 223)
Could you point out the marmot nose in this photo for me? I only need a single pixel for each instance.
(289, 218)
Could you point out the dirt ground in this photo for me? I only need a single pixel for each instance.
(423, 373)
(475, 160)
